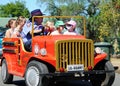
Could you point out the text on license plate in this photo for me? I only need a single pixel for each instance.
(75, 67)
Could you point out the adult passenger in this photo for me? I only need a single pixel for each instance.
(27, 29)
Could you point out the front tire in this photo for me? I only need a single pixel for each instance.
(104, 79)
(6, 77)
(33, 77)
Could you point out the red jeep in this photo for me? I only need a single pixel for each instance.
(56, 57)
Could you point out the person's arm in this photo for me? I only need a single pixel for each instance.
(16, 34)
(7, 34)
(36, 31)
(27, 28)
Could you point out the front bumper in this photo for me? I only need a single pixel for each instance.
(78, 73)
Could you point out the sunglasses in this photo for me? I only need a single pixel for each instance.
(69, 25)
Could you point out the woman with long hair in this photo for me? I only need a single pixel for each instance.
(11, 25)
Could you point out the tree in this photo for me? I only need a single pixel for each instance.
(14, 9)
(110, 22)
(92, 19)
(64, 7)
(102, 15)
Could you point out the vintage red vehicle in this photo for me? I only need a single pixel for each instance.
(54, 58)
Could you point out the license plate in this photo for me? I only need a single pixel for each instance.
(75, 67)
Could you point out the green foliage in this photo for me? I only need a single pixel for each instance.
(14, 9)
(64, 7)
(53, 9)
(102, 16)
(109, 23)
(72, 9)
(109, 18)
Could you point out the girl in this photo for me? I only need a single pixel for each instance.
(11, 25)
(49, 27)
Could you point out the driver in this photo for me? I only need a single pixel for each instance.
(38, 28)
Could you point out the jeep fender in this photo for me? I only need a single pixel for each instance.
(99, 58)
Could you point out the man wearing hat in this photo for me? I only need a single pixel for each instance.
(38, 28)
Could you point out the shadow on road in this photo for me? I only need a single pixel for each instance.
(62, 83)
(72, 83)
(19, 83)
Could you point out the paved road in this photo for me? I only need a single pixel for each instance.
(20, 82)
(117, 80)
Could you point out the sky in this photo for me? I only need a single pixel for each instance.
(30, 4)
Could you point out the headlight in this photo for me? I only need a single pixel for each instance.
(43, 51)
(36, 49)
(98, 50)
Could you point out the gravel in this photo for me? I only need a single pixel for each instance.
(116, 63)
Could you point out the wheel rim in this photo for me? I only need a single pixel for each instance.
(3, 71)
(32, 76)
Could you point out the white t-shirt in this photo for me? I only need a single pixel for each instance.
(69, 33)
(9, 33)
(55, 33)
(16, 33)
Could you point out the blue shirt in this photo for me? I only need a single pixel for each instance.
(27, 28)
(25, 32)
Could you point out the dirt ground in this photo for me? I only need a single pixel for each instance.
(116, 62)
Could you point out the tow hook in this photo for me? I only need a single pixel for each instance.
(116, 67)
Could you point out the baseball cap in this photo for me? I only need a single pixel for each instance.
(59, 23)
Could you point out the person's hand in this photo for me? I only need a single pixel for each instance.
(36, 31)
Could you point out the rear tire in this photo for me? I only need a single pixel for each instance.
(33, 77)
(104, 79)
(6, 77)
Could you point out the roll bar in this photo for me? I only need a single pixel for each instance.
(77, 17)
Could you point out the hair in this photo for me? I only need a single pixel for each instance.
(49, 24)
(10, 22)
(20, 19)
